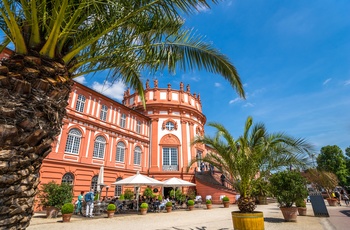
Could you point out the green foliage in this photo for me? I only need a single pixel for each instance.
(160, 197)
(190, 202)
(128, 194)
(168, 204)
(225, 199)
(67, 208)
(148, 192)
(144, 205)
(208, 201)
(260, 187)
(191, 194)
(121, 197)
(332, 159)
(178, 195)
(322, 180)
(52, 194)
(111, 207)
(288, 187)
(300, 203)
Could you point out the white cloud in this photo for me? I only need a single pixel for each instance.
(217, 84)
(80, 79)
(326, 81)
(113, 90)
(235, 100)
(248, 105)
(347, 82)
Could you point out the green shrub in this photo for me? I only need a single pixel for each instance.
(225, 199)
(53, 194)
(190, 202)
(128, 194)
(168, 204)
(148, 193)
(300, 203)
(160, 198)
(67, 208)
(111, 207)
(121, 197)
(208, 201)
(144, 205)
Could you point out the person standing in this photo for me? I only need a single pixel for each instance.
(89, 199)
(223, 178)
(79, 206)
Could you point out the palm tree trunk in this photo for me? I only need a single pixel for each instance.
(34, 94)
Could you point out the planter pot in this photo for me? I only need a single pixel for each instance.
(143, 211)
(302, 211)
(208, 206)
(110, 213)
(332, 201)
(168, 209)
(290, 214)
(66, 217)
(248, 221)
(191, 207)
(51, 211)
(262, 200)
(226, 204)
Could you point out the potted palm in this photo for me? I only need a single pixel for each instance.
(288, 187)
(190, 204)
(226, 201)
(260, 190)
(143, 208)
(256, 152)
(111, 210)
(168, 206)
(208, 203)
(67, 212)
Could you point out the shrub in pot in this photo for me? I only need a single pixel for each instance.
(143, 208)
(288, 187)
(255, 152)
(67, 212)
(226, 201)
(208, 204)
(190, 204)
(301, 205)
(168, 206)
(111, 210)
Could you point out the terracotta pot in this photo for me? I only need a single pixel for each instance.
(302, 211)
(332, 201)
(143, 211)
(191, 207)
(208, 206)
(66, 217)
(248, 221)
(290, 214)
(226, 204)
(110, 213)
(262, 200)
(168, 209)
(51, 211)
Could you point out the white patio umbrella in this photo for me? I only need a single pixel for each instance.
(176, 182)
(100, 180)
(138, 180)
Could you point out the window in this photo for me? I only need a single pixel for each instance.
(122, 120)
(169, 126)
(120, 152)
(73, 141)
(99, 147)
(94, 183)
(68, 178)
(138, 127)
(118, 188)
(103, 114)
(80, 103)
(137, 156)
(170, 161)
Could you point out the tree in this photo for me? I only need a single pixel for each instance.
(347, 159)
(332, 159)
(322, 179)
(255, 152)
(57, 40)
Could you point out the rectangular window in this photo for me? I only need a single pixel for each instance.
(80, 103)
(122, 121)
(103, 114)
(170, 156)
(138, 127)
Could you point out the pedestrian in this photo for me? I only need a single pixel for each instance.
(222, 177)
(79, 203)
(89, 199)
(346, 199)
(337, 195)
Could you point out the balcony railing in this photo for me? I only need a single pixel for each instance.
(170, 168)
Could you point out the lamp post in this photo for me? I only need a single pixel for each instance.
(107, 187)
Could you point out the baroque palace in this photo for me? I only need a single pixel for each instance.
(126, 138)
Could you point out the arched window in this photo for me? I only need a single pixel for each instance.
(73, 141)
(118, 188)
(94, 183)
(120, 152)
(68, 178)
(103, 114)
(80, 103)
(99, 147)
(137, 156)
(122, 120)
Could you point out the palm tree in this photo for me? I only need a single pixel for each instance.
(55, 41)
(254, 153)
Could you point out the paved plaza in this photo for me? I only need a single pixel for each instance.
(218, 218)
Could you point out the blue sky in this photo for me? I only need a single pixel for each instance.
(293, 58)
